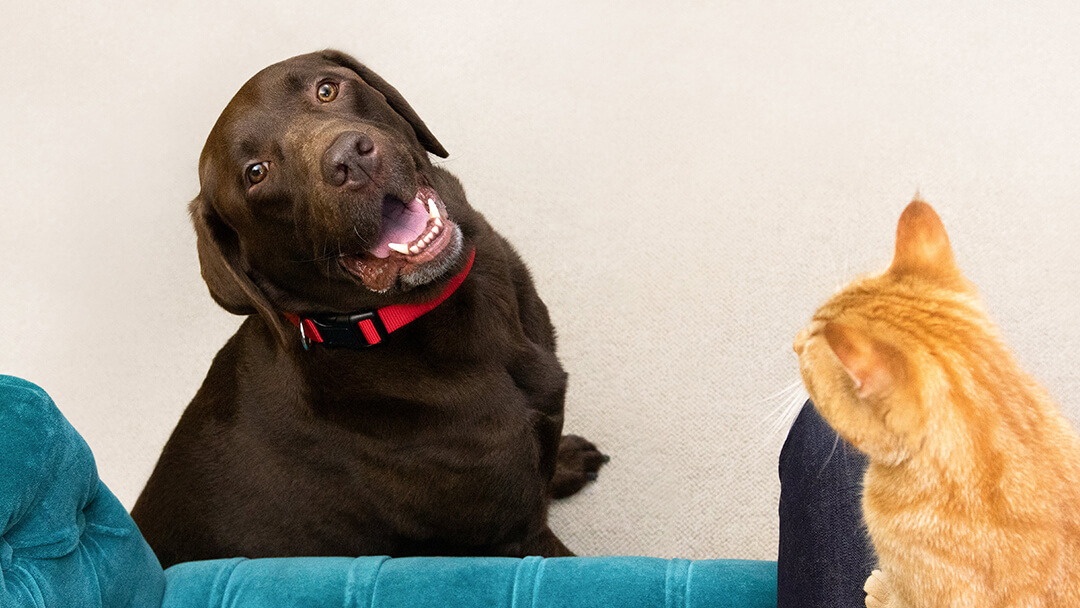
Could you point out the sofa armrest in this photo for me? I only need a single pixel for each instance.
(449, 582)
(65, 540)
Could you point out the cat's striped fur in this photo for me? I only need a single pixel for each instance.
(972, 495)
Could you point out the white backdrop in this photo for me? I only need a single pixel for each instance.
(687, 180)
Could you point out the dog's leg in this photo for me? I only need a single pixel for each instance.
(577, 464)
(548, 545)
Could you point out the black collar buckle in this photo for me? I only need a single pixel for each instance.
(344, 331)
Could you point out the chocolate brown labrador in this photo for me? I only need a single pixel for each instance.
(321, 217)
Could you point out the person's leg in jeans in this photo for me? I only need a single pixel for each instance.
(825, 554)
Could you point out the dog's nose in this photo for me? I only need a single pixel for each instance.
(350, 160)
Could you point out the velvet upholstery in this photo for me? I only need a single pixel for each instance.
(67, 541)
(447, 582)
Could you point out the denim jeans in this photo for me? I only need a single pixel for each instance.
(825, 554)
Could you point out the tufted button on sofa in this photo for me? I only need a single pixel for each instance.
(66, 541)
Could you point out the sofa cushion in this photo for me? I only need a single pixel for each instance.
(65, 540)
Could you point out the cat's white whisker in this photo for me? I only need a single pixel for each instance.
(784, 391)
(836, 441)
(790, 400)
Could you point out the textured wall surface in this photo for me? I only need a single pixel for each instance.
(688, 182)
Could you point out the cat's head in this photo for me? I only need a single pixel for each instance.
(879, 358)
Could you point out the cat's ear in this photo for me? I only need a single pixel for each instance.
(874, 367)
(922, 245)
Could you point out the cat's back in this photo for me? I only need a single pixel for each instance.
(993, 505)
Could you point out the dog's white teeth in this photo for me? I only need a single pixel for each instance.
(435, 230)
(398, 247)
(438, 222)
(427, 239)
(414, 249)
(432, 210)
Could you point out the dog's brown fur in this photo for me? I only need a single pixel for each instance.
(444, 439)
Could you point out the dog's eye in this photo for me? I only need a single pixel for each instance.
(327, 92)
(257, 172)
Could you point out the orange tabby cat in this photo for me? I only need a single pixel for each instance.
(972, 495)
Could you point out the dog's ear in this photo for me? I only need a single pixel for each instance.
(230, 286)
(396, 101)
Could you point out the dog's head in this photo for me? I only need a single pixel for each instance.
(317, 195)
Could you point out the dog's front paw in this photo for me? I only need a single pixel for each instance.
(879, 592)
(577, 464)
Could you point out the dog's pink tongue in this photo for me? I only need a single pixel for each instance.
(401, 223)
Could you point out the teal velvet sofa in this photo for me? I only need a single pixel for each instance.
(67, 541)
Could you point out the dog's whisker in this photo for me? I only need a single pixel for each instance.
(321, 258)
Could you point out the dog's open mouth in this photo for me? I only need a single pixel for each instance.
(413, 234)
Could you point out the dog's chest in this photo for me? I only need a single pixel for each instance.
(437, 456)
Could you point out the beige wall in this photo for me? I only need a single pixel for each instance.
(688, 182)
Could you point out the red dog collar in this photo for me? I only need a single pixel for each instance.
(364, 329)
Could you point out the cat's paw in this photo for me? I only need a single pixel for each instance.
(878, 592)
